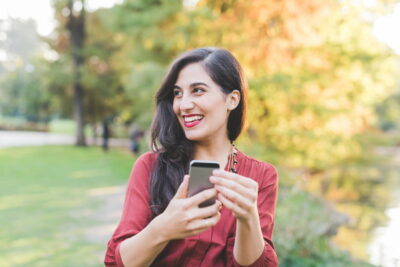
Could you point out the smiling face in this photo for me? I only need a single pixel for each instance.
(200, 104)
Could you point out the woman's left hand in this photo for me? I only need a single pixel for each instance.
(237, 193)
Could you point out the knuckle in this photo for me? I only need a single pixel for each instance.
(187, 217)
(209, 211)
(212, 192)
(185, 205)
(255, 185)
(214, 210)
(234, 186)
(248, 205)
(208, 194)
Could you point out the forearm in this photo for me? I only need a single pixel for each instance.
(249, 241)
(142, 248)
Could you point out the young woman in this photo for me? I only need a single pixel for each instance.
(200, 112)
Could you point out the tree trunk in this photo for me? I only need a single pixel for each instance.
(76, 28)
(94, 133)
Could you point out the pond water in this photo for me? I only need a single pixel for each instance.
(384, 249)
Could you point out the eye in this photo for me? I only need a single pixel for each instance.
(177, 93)
(198, 90)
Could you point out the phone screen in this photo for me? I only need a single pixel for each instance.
(200, 172)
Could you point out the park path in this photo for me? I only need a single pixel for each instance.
(20, 138)
(24, 138)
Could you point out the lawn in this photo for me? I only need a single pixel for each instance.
(55, 204)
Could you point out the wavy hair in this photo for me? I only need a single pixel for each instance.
(168, 139)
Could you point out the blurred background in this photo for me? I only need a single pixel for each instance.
(77, 81)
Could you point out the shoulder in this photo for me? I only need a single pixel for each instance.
(144, 163)
(263, 172)
(148, 158)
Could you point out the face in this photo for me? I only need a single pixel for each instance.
(200, 105)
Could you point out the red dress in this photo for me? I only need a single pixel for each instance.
(213, 247)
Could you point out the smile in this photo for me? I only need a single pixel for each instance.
(192, 120)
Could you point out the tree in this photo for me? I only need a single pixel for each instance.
(25, 94)
(312, 84)
(22, 90)
(76, 28)
(70, 43)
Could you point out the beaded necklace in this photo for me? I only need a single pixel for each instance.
(232, 161)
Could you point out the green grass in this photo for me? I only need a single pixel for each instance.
(11, 120)
(62, 126)
(46, 206)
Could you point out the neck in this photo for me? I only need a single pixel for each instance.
(217, 151)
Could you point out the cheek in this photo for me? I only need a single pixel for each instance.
(218, 113)
(175, 107)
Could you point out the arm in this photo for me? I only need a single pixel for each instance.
(137, 241)
(254, 209)
(266, 203)
(142, 248)
(249, 242)
(182, 218)
(136, 212)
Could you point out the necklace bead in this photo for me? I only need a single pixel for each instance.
(232, 159)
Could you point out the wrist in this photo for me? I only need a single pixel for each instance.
(156, 229)
(252, 219)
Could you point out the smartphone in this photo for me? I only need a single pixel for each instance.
(200, 172)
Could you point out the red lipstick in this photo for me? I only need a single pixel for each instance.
(192, 123)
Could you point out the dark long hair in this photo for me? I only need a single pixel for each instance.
(168, 139)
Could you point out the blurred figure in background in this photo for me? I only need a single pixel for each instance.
(106, 134)
(135, 134)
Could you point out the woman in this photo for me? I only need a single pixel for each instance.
(200, 112)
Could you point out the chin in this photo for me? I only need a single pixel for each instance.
(194, 137)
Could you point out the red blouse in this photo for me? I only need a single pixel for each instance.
(213, 247)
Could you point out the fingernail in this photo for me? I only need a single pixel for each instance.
(213, 178)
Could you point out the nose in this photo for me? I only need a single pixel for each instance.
(186, 102)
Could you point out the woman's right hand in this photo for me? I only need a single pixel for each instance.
(183, 217)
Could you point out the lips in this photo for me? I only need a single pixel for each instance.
(192, 120)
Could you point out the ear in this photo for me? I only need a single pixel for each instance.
(233, 100)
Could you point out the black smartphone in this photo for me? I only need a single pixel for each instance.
(200, 172)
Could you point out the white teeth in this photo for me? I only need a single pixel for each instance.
(193, 118)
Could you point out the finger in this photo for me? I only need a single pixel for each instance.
(232, 206)
(219, 204)
(246, 182)
(235, 186)
(183, 188)
(201, 213)
(201, 197)
(235, 197)
(204, 224)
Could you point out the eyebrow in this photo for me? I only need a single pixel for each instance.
(192, 85)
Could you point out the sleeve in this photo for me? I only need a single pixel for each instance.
(267, 198)
(136, 212)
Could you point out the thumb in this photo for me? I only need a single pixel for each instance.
(183, 188)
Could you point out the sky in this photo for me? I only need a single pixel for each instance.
(385, 28)
(41, 11)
